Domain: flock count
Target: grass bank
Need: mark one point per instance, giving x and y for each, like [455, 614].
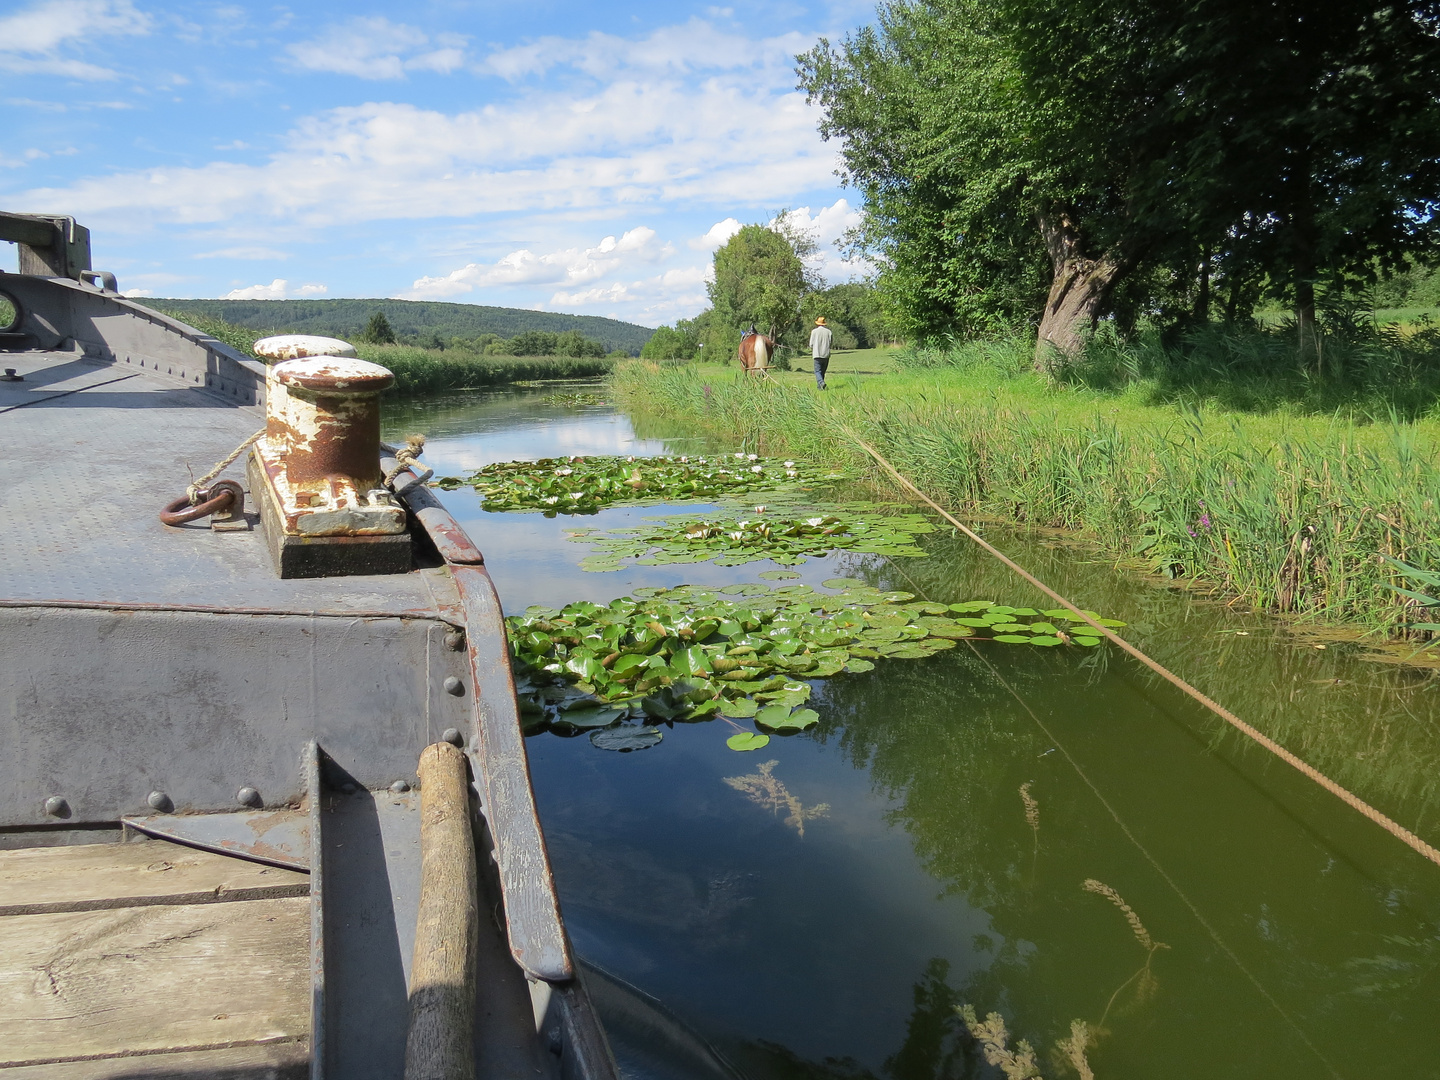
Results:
[1286, 506]
[423, 371]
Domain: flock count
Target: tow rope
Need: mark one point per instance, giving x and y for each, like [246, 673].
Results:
[1349, 798]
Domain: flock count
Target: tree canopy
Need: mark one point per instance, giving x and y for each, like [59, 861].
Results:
[1059, 161]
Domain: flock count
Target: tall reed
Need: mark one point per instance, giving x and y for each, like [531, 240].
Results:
[1293, 514]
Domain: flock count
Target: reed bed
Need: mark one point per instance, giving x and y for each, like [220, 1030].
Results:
[422, 371]
[1292, 512]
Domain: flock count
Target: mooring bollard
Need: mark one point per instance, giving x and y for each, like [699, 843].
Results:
[316, 474]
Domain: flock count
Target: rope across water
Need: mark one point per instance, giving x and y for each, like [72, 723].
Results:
[1349, 798]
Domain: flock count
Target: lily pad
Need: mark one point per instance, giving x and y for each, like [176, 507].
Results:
[626, 738]
[688, 654]
[591, 718]
[748, 740]
[783, 718]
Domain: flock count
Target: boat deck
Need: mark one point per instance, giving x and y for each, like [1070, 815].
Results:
[151, 959]
[96, 450]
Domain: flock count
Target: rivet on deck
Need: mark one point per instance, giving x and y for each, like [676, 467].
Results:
[400, 787]
[455, 640]
[56, 806]
[248, 796]
[454, 686]
[453, 737]
[158, 800]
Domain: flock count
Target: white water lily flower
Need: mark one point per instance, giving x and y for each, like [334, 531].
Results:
[739, 455]
[757, 468]
[684, 461]
[791, 473]
[751, 457]
[563, 472]
[741, 524]
[789, 464]
[630, 459]
[737, 536]
[815, 521]
[761, 509]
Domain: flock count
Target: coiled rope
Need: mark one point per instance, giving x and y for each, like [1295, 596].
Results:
[1349, 798]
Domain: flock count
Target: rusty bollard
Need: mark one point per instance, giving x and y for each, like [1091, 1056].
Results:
[316, 473]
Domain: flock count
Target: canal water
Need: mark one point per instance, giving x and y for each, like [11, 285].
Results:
[1050, 835]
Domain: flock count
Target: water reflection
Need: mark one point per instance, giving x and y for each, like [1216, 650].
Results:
[1301, 941]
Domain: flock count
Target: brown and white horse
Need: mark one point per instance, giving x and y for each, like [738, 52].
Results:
[755, 353]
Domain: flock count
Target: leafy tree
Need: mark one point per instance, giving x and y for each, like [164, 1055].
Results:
[670, 343]
[760, 278]
[1065, 159]
[377, 331]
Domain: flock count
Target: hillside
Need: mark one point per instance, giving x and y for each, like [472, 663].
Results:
[420, 318]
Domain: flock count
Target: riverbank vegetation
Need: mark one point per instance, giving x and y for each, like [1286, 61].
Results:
[1284, 487]
[420, 370]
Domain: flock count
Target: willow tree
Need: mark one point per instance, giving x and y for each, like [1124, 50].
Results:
[1026, 156]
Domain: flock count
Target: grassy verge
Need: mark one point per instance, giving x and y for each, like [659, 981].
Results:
[1286, 508]
[420, 371]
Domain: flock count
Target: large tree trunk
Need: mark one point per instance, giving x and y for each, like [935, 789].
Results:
[1079, 289]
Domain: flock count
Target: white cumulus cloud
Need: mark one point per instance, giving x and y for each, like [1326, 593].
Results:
[569, 266]
[719, 233]
[666, 135]
[33, 40]
[274, 291]
[373, 47]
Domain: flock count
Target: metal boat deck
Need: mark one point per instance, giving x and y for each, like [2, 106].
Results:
[210, 835]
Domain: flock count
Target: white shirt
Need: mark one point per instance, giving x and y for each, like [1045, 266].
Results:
[820, 342]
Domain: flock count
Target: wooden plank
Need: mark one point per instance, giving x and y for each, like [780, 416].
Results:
[36, 881]
[145, 979]
[273, 1061]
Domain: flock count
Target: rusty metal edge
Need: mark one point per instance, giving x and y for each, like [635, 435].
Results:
[317, 913]
[144, 825]
[447, 534]
[532, 907]
[217, 609]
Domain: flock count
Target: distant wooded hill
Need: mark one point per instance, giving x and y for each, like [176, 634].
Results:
[419, 319]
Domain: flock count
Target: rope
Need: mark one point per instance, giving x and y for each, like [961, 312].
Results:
[1349, 798]
[405, 457]
[193, 491]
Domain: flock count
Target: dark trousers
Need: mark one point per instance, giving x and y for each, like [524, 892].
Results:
[822, 365]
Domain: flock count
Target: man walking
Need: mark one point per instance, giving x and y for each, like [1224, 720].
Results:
[820, 350]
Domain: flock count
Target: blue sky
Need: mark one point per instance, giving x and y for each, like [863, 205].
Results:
[565, 156]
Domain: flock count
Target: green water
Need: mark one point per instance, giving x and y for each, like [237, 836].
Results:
[1292, 937]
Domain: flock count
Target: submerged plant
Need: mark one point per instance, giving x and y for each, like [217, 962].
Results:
[742, 651]
[994, 1040]
[1074, 1049]
[729, 541]
[763, 789]
[1146, 983]
[585, 485]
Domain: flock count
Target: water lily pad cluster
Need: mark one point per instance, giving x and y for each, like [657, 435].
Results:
[573, 400]
[730, 541]
[743, 651]
[585, 485]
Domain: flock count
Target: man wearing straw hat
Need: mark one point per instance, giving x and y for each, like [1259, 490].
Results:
[820, 350]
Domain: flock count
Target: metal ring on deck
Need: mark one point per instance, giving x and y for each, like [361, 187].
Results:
[216, 498]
